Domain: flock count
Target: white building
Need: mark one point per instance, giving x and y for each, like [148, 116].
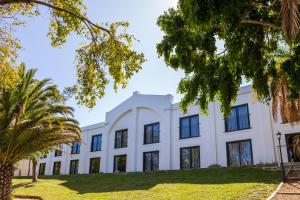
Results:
[149, 132]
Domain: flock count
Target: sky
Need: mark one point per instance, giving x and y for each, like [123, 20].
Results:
[58, 64]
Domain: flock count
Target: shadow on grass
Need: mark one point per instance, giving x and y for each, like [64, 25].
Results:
[143, 181]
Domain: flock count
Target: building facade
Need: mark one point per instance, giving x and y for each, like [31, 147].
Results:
[149, 133]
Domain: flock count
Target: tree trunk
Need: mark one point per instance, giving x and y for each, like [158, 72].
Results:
[34, 176]
[6, 175]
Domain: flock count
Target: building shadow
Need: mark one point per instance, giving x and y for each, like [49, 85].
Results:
[99, 183]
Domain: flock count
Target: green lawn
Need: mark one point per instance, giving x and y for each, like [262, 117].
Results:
[222, 183]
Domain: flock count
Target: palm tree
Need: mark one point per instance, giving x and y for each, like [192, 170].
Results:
[290, 18]
[32, 119]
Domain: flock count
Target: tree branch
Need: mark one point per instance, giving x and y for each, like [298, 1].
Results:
[251, 21]
[82, 18]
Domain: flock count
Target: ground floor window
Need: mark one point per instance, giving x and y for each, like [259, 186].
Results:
[56, 168]
[151, 161]
[190, 157]
[120, 163]
[239, 153]
[42, 169]
[293, 147]
[74, 166]
[94, 165]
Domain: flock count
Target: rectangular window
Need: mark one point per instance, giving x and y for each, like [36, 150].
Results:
[121, 138]
[96, 143]
[239, 153]
[190, 157]
[151, 133]
[151, 161]
[56, 168]
[75, 149]
[189, 126]
[94, 165]
[58, 152]
[238, 119]
[120, 163]
[74, 167]
[42, 169]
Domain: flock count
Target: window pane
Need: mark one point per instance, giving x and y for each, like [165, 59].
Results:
[184, 128]
[96, 143]
[246, 154]
[147, 162]
[194, 126]
[120, 163]
[195, 153]
[243, 117]
[124, 138]
[231, 122]
[234, 156]
[42, 169]
[94, 165]
[148, 134]
[118, 140]
[155, 161]
[185, 158]
[155, 132]
[74, 166]
[56, 168]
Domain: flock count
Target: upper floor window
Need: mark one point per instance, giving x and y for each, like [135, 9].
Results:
[43, 156]
[96, 143]
[75, 149]
[238, 119]
[58, 152]
[189, 126]
[121, 138]
[151, 133]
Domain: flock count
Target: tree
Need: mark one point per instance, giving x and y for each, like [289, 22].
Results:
[261, 43]
[34, 158]
[108, 50]
[32, 119]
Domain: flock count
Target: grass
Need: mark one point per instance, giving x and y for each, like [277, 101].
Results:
[219, 183]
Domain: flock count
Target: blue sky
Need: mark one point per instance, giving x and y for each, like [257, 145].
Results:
[58, 64]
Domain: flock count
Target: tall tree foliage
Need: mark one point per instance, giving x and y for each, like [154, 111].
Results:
[32, 119]
[107, 54]
[261, 43]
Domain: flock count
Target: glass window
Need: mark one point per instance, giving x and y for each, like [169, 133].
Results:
[151, 161]
[121, 138]
[238, 119]
[58, 152]
[239, 153]
[75, 149]
[190, 157]
[56, 168]
[74, 166]
[96, 143]
[151, 133]
[120, 163]
[42, 169]
[189, 127]
[94, 165]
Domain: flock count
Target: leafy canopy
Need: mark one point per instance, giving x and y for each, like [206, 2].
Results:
[33, 119]
[107, 53]
[255, 47]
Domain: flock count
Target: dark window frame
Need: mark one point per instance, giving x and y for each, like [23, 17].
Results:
[77, 166]
[92, 143]
[54, 164]
[122, 136]
[144, 160]
[90, 169]
[190, 130]
[190, 158]
[75, 148]
[152, 137]
[121, 155]
[44, 169]
[237, 119]
[238, 141]
[58, 152]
